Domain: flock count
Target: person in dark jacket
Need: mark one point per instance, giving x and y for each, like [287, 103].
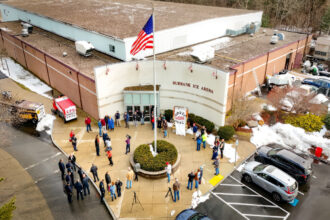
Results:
[128, 144]
[72, 158]
[105, 136]
[69, 166]
[118, 187]
[107, 178]
[117, 119]
[135, 118]
[74, 142]
[216, 166]
[79, 189]
[97, 145]
[199, 142]
[191, 177]
[101, 186]
[61, 166]
[106, 119]
[68, 191]
[80, 173]
[94, 172]
[85, 184]
[72, 178]
[195, 129]
[68, 178]
[126, 118]
[222, 147]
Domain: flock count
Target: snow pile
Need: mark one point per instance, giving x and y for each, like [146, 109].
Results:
[153, 152]
[46, 124]
[189, 131]
[289, 136]
[210, 140]
[257, 117]
[198, 198]
[217, 44]
[268, 107]
[319, 99]
[229, 152]
[24, 77]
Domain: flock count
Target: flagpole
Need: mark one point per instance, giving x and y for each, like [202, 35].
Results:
[154, 72]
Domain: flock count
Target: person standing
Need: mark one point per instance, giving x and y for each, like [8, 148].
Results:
[117, 119]
[69, 166]
[222, 147]
[126, 118]
[80, 173]
[204, 138]
[129, 177]
[103, 123]
[136, 169]
[97, 145]
[99, 124]
[109, 154]
[201, 174]
[195, 129]
[88, 124]
[72, 158]
[108, 144]
[68, 178]
[85, 184]
[197, 175]
[102, 190]
[107, 178]
[191, 177]
[105, 136]
[168, 169]
[216, 166]
[74, 142]
[111, 124]
[113, 191]
[153, 121]
[142, 118]
[61, 166]
[68, 191]
[215, 153]
[176, 189]
[159, 124]
[118, 187]
[128, 144]
[199, 142]
[134, 119]
[203, 130]
[79, 189]
[94, 172]
[165, 126]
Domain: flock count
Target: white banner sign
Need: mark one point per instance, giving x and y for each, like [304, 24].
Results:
[180, 119]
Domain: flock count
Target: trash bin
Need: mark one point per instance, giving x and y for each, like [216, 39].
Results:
[318, 151]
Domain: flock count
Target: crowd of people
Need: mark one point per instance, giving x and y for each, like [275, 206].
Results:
[107, 124]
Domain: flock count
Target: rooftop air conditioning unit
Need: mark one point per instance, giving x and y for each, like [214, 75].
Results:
[274, 39]
[28, 27]
[84, 48]
[25, 32]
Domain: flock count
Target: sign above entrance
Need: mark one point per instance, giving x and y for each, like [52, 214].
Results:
[195, 86]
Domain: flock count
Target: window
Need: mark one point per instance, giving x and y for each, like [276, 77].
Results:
[321, 53]
[112, 48]
[259, 168]
[274, 181]
[262, 175]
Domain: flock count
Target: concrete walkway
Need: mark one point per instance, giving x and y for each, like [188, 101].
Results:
[151, 193]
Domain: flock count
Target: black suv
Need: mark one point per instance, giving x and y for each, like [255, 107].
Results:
[291, 163]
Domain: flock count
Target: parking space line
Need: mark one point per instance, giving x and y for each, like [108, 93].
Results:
[301, 193]
[44, 160]
[288, 213]
[237, 194]
[230, 205]
[225, 184]
[266, 216]
[249, 204]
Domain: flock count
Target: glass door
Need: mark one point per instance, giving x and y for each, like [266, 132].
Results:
[130, 112]
[146, 111]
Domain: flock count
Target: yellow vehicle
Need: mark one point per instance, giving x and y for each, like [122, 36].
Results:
[23, 111]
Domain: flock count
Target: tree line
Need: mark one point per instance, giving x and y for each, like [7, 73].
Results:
[302, 15]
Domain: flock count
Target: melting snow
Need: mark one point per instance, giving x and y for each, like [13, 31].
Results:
[46, 124]
[198, 198]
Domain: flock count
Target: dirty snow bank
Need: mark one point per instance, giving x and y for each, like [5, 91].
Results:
[46, 124]
[290, 136]
[24, 77]
[198, 198]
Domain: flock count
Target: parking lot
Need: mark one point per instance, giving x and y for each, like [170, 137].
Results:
[234, 199]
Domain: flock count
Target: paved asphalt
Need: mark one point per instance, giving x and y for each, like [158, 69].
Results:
[236, 200]
[40, 158]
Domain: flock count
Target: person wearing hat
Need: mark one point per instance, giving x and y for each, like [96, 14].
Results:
[168, 169]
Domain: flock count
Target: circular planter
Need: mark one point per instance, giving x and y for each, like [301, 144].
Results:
[155, 174]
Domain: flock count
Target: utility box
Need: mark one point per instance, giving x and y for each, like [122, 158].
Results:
[84, 48]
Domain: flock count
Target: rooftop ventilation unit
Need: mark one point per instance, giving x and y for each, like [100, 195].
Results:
[28, 27]
[84, 48]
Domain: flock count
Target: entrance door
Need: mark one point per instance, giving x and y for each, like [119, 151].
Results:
[137, 109]
[287, 61]
[146, 111]
[130, 112]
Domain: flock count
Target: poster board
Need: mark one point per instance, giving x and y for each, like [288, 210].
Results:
[180, 120]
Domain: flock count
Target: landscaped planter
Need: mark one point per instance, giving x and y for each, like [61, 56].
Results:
[154, 167]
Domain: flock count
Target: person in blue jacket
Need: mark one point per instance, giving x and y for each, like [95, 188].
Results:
[199, 142]
[111, 124]
[99, 124]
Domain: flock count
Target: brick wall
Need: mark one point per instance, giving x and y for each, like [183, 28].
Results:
[78, 87]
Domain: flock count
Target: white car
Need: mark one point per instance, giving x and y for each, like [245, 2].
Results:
[282, 186]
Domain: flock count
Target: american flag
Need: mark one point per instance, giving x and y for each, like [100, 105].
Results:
[145, 39]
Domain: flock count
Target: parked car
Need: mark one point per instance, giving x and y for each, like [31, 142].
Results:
[309, 81]
[282, 186]
[65, 108]
[291, 163]
[324, 73]
[322, 83]
[190, 214]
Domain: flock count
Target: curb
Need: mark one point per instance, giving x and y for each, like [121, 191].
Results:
[111, 213]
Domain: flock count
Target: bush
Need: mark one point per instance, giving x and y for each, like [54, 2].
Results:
[308, 122]
[6, 211]
[166, 153]
[168, 114]
[327, 121]
[226, 132]
[201, 121]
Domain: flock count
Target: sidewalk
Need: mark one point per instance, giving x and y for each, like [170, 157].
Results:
[151, 193]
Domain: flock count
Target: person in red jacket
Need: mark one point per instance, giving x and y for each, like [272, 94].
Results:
[88, 124]
[103, 124]
[109, 154]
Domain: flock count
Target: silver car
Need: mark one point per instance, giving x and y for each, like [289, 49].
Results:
[282, 186]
